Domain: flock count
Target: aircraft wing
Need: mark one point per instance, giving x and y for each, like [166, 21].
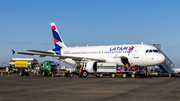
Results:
[60, 56]
[41, 51]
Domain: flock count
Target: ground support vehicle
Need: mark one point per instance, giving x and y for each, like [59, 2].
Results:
[100, 69]
[132, 74]
[12, 70]
[105, 68]
[158, 72]
[70, 72]
[125, 74]
[111, 68]
[23, 65]
[177, 70]
[48, 68]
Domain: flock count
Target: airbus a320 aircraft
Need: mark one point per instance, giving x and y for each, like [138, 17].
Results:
[133, 54]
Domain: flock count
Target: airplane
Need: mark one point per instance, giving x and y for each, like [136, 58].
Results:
[132, 54]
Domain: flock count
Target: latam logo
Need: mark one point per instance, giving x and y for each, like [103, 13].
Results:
[121, 48]
[131, 48]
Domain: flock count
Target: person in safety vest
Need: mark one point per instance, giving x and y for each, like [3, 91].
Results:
[80, 72]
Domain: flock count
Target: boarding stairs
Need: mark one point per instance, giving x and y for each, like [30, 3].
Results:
[168, 65]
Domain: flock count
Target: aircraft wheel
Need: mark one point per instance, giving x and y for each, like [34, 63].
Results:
[85, 73]
[21, 72]
[133, 75]
[13, 71]
[41, 72]
[49, 74]
[124, 75]
[66, 74]
[159, 75]
[44, 73]
[27, 74]
[71, 75]
[100, 75]
[113, 75]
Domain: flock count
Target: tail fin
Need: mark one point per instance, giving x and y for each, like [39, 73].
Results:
[59, 44]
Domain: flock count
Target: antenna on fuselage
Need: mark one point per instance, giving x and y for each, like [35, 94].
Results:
[142, 43]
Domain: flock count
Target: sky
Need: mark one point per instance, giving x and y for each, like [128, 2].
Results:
[25, 24]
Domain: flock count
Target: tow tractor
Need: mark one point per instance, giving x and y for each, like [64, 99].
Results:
[70, 72]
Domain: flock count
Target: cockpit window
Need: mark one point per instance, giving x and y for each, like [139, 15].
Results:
[152, 50]
[156, 51]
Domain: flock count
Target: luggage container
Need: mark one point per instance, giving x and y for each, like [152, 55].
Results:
[108, 68]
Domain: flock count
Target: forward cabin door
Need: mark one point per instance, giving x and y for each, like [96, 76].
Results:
[136, 52]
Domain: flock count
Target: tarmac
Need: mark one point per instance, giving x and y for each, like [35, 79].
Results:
[58, 88]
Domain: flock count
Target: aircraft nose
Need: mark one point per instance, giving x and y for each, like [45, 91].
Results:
[161, 58]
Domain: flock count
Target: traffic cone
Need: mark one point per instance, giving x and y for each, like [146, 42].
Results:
[8, 74]
[52, 74]
[1, 73]
[169, 76]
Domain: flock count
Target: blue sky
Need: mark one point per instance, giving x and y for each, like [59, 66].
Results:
[25, 24]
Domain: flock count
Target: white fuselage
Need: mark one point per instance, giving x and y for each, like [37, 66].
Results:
[117, 53]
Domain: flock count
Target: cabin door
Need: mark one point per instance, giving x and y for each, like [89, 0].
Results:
[136, 52]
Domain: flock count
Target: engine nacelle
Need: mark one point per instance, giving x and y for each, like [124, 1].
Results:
[90, 66]
[69, 61]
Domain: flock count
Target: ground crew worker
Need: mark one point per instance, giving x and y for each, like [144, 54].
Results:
[35, 72]
[80, 72]
[127, 67]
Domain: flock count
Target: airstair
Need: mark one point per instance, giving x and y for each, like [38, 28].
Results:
[168, 65]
